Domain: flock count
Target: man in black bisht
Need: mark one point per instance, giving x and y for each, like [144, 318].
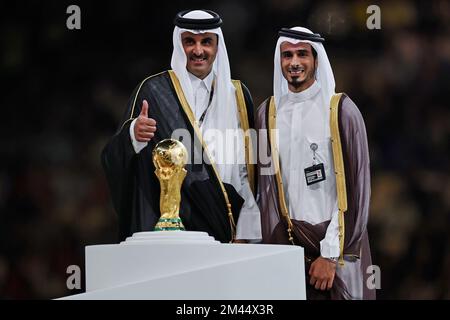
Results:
[198, 104]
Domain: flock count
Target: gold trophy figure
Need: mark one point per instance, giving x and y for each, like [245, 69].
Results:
[169, 158]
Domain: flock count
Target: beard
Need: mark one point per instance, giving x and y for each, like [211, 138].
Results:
[296, 82]
[299, 77]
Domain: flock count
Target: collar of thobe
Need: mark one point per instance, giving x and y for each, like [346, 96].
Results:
[196, 82]
[304, 95]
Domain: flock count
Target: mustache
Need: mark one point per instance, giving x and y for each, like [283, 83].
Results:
[198, 56]
[296, 68]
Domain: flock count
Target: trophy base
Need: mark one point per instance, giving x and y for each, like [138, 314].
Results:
[169, 237]
[169, 225]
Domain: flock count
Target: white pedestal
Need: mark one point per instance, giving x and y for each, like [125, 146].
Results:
[178, 265]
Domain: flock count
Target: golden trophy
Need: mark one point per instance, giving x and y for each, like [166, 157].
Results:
[169, 158]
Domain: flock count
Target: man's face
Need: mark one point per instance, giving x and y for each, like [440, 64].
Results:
[298, 65]
[201, 50]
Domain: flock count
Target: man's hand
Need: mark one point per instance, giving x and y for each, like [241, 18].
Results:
[322, 273]
[144, 127]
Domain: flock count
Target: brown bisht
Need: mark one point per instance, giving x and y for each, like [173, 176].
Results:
[207, 203]
[352, 167]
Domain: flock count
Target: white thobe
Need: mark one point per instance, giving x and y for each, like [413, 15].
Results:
[302, 119]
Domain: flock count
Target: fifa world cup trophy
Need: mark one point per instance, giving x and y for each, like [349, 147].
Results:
[169, 158]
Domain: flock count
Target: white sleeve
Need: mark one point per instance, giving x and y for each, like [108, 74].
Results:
[249, 223]
[329, 246]
[137, 145]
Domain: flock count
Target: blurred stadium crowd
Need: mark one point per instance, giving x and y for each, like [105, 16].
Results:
[64, 92]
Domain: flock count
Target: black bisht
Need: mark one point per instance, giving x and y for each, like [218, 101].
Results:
[135, 188]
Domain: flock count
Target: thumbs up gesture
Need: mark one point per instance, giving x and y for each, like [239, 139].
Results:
[145, 127]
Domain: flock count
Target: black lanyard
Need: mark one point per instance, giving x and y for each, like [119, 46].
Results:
[202, 117]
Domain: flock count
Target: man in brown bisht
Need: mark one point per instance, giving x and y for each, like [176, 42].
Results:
[314, 184]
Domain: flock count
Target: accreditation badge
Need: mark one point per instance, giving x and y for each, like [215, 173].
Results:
[316, 172]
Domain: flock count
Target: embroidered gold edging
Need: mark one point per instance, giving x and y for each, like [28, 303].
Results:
[339, 170]
[135, 97]
[276, 161]
[243, 116]
[187, 109]
[131, 119]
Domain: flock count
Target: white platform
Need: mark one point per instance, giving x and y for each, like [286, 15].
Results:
[191, 265]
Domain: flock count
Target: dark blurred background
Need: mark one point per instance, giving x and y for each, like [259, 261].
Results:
[63, 93]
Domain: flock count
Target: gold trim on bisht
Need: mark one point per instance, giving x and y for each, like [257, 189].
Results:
[135, 98]
[276, 160]
[243, 116]
[339, 170]
[187, 109]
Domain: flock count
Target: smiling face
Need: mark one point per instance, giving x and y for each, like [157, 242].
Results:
[201, 51]
[298, 65]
